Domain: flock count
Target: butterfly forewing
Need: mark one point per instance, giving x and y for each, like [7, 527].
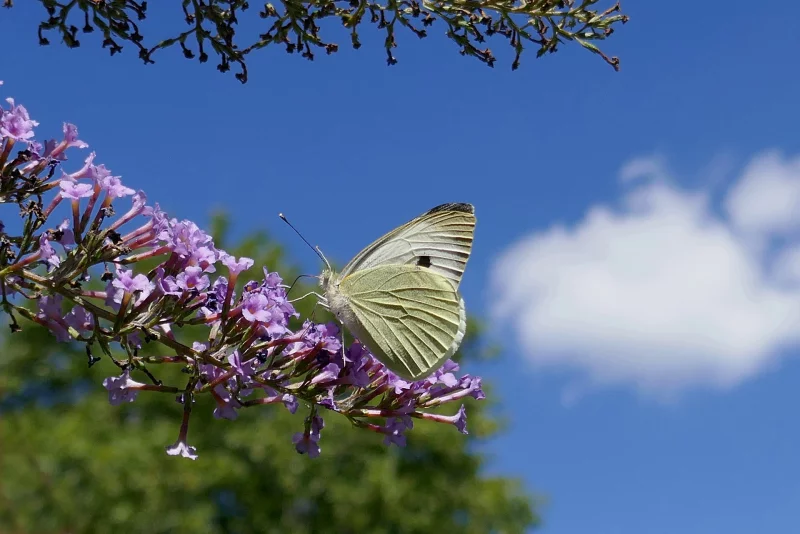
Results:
[439, 240]
[410, 318]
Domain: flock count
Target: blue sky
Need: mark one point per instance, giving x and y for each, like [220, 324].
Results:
[637, 233]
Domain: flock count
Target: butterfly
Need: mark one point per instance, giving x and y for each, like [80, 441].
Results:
[399, 296]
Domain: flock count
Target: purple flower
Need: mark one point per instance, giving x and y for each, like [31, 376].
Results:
[184, 237]
[139, 201]
[272, 280]
[85, 171]
[15, 123]
[395, 429]
[317, 424]
[182, 448]
[80, 319]
[192, 278]
[121, 388]
[258, 307]
[124, 282]
[134, 340]
[205, 257]
[47, 252]
[50, 314]
[67, 237]
[445, 375]
[226, 409]
[306, 444]
[114, 188]
[158, 218]
[398, 384]
[236, 266]
[473, 385]
[326, 335]
[50, 307]
[357, 372]
[461, 420]
[72, 190]
[216, 297]
[328, 401]
[45, 151]
[169, 286]
[255, 308]
[290, 402]
[243, 369]
[71, 136]
[226, 403]
[329, 373]
[97, 173]
[199, 347]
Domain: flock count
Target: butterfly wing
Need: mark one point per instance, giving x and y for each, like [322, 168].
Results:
[410, 318]
[440, 240]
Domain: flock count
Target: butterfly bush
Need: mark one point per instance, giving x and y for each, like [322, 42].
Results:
[80, 224]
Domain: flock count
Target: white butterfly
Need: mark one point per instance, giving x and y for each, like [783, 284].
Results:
[399, 296]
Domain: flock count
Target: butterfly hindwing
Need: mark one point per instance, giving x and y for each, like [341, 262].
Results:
[411, 319]
[439, 240]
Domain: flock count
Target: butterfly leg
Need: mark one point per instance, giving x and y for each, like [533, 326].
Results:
[344, 356]
[320, 299]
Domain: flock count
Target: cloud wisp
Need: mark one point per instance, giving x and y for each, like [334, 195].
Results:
[663, 292]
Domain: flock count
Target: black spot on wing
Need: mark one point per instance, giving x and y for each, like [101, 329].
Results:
[453, 206]
[424, 261]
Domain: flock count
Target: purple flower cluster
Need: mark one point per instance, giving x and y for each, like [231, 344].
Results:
[85, 276]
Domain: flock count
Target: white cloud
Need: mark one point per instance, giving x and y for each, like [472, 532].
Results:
[642, 167]
[786, 266]
[661, 293]
[766, 200]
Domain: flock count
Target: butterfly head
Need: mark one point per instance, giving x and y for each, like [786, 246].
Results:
[326, 277]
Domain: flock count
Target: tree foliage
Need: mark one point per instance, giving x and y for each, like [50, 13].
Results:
[70, 462]
[214, 27]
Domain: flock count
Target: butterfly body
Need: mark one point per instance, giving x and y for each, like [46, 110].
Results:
[399, 296]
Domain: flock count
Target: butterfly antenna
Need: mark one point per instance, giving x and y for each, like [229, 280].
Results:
[316, 250]
[321, 255]
[289, 290]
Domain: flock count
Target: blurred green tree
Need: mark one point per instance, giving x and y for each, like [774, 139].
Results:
[70, 462]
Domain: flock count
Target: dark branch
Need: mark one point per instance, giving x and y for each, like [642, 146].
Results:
[211, 26]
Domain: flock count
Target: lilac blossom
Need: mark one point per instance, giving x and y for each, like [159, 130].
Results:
[125, 283]
[80, 319]
[50, 314]
[243, 369]
[236, 266]
[181, 448]
[47, 252]
[253, 350]
[308, 442]
[15, 123]
[64, 234]
[122, 388]
[73, 190]
[329, 373]
[395, 430]
[256, 308]
[113, 187]
[290, 402]
[71, 137]
[191, 279]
